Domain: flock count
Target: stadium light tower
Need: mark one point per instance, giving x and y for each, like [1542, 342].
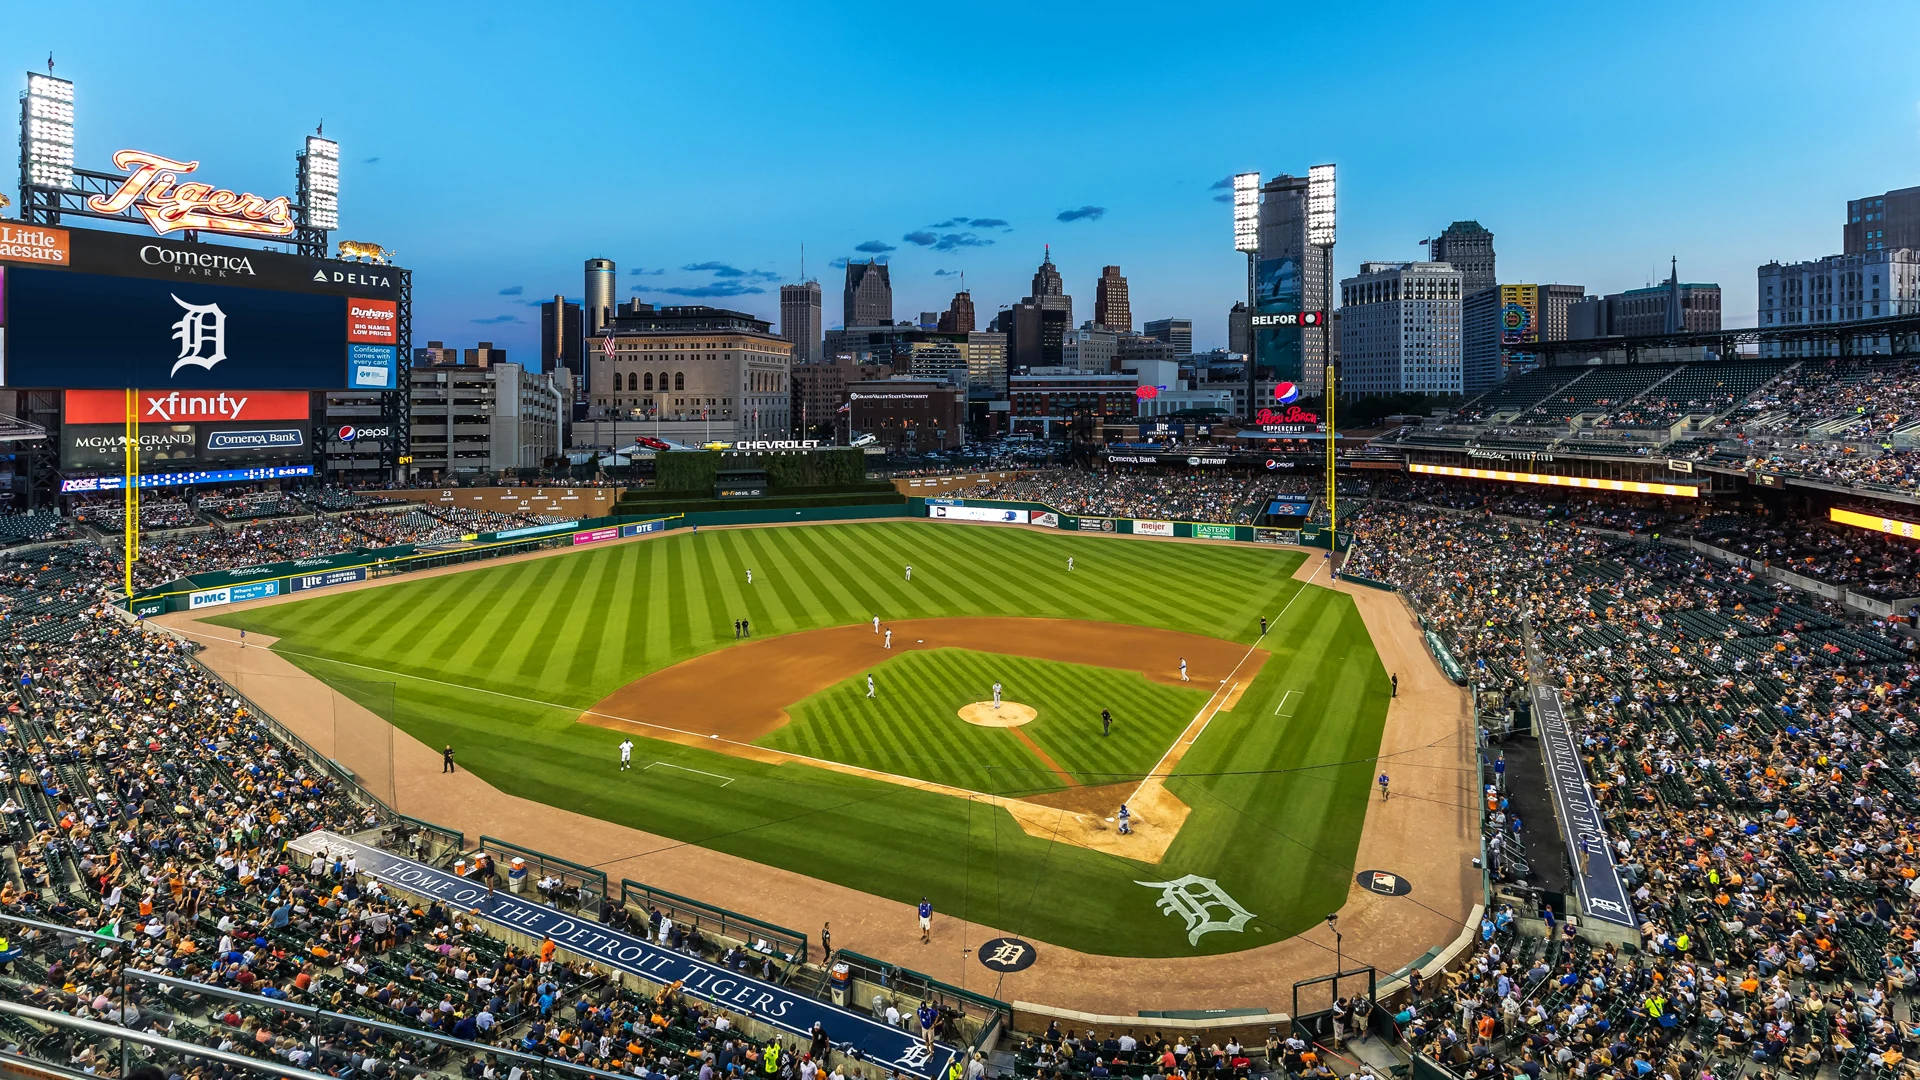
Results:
[1246, 239]
[317, 183]
[46, 135]
[1320, 234]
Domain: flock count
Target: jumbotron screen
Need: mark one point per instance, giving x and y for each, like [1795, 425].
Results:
[86, 309]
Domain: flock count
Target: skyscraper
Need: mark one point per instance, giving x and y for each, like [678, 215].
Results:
[1400, 329]
[1175, 332]
[1882, 222]
[1046, 279]
[560, 333]
[868, 300]
[800, 320]
[600, 294]
[1050, 296]
[1111, 306]
[1468, 247]
[1290, 275]
[1239, 329]
[959, 317]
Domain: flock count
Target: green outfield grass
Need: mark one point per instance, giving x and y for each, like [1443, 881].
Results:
[912, 727]
[500, 660]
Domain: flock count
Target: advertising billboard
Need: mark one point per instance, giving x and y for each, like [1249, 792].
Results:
[115, 254]
[1519, 314]
[104, 446]
[173, 335]
[326, 579]
[1153, 528]
[977, 513]
[1277, 353]
[177, 407]
[73, 485]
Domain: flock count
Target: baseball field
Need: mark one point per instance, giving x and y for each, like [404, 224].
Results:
[1247, 781]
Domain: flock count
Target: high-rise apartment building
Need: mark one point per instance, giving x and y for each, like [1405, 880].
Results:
[1882, 222]
[1837, 289]
[1175, 332]
[1555, 300]
[868, 300]
[561, 330]
[1112, 308]
[1400, 329]
[959, 317]
[601, 288]
[1468, 247]
[800, 320]
[1239, 329]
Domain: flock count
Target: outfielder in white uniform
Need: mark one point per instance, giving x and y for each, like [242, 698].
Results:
[869, 686]
[1069, 564]
[749, 575]
[996, 695]
[626, 754]
[909, 571]
[889, 642]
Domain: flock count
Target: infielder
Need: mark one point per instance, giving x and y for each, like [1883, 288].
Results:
[1183, 670]
[996, 695]
[876, 624]
[1126, 820]
[626, 754]
[889, 641]
[869, 686]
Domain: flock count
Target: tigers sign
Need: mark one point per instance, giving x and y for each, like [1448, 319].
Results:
[153, 188]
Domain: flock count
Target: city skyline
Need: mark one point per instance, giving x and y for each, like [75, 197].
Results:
[494, 193]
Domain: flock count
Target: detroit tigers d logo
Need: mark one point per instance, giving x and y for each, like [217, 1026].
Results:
[1202, 903]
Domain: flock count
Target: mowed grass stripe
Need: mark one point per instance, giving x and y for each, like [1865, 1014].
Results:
[827, 575]
[547, 622]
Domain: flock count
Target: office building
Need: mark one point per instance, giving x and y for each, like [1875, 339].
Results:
[866, 344]
[1671, 307]
[485, 354]
[1290, 275]
[800, 320]
[561, 333]
[986, 355]
[1882, 222]
[1239, 329]
[601, 291]
[436, 354]
[1555, 302]
[1112, 308]
[1046, 405]
[696, 372]
[1468, 247]
[1838, 289]
[469, 419]
[909, 415]
[868, 299]
[1091, 348]
[1137, 351]
[1400, 329]
[1175, 332]
[959, 317]
[818, 391]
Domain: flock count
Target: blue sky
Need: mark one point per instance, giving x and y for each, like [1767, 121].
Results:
[495, 147]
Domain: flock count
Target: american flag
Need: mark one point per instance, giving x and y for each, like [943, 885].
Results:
[606, 347]
[845, 406]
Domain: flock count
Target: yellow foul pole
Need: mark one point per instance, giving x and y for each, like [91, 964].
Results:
[130, 492]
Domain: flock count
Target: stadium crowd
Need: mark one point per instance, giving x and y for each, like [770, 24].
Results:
[1198, 496]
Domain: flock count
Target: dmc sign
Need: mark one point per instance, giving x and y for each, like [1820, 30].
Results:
[152, 187]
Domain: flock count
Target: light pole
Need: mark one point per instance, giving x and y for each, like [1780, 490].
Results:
[1333, 924]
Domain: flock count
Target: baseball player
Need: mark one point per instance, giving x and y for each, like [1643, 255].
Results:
[1069, 564]
[926, 920]
[996, 695]
[909, 571]
[1126, 820]
[1106, 722]
[889, 642]
[626, 754]
[876, 624]
[1183, 670]
[869, 686]
[749, 575]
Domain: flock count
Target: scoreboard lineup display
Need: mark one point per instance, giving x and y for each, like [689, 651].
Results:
[190, 316]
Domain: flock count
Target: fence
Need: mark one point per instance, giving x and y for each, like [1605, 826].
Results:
[579, 886]
[714, 921]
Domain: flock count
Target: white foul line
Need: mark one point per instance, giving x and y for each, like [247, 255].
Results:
[725, 780]
[1209, 710]
[1283, 703]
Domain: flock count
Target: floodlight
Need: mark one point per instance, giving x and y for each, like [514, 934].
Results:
[320, 182]
[47, 131]
[1246, 211]
[1320, 206]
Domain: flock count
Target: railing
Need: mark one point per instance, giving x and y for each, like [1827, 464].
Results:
[586, 888]
[976, 1014]
[714, 921]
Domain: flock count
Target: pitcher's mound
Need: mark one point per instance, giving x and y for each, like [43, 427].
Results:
[1009, 714]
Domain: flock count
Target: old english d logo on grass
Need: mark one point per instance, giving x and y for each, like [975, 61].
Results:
[1196, 899]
